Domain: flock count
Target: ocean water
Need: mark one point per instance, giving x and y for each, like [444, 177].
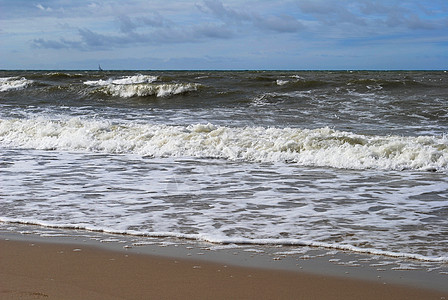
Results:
[353, 161]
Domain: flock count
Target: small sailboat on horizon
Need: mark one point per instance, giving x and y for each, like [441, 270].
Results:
[99, 68]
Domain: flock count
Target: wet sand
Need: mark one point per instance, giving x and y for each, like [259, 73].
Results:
[40, 270]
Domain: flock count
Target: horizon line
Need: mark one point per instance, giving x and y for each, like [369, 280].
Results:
[232, 70]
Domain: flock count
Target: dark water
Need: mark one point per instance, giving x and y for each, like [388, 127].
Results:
[408, 103]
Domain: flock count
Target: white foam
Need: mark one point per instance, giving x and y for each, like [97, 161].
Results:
[322, 147]
[122, 81]
[140, 86]
[143, 90]
[282, 82]
[235, 241]
[13, 83]
[388, 213]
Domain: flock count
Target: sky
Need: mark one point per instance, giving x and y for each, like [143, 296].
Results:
[223, 35]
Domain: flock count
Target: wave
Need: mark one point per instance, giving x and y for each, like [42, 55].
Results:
[123, 81]
[144, 90]
[234, 240]
[323, 147]
[281, 82]
[140, 86]
[298, 82]
[13, 83]
[309, 84]
[387, 84]
[62, 75]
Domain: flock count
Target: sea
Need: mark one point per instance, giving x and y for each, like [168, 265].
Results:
[352, 161]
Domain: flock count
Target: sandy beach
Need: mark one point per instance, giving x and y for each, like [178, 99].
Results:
[41, 270]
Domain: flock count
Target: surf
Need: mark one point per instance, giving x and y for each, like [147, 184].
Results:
[322, 147]
[14, 83]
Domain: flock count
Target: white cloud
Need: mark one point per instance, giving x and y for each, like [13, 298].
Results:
[41, 7]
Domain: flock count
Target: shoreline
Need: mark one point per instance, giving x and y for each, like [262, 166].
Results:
[56, 271]
[35, 267]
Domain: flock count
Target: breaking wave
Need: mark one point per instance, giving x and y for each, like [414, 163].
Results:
[323, 147]
[13, 83]
[123, 81]
[281, 82]
[141, 86]
[144, 90]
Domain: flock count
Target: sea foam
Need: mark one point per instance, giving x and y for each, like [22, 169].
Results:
[13, 83]
[143, 90]
[236, 241]
[140, 86]
[123, 80]
[323, 147]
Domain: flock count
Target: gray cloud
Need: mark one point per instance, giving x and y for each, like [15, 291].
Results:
[126, 24]
[212, 31]
[42, 43]
[151, 21]
[152, 28]
[415, 22]
[96, 40]
[217, 21]
[155, 20]
[57, 44]
[91, 40]
[373, 14]
[225, 14]
[330, 13]
[282, 23]
[278, 23]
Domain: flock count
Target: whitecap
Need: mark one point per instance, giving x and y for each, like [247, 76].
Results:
[140, 86]
[13, 83]
[144, 90]
[136, 79]
[322, 147]
[282, 82]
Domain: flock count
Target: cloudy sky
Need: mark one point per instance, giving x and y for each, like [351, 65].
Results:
[224, 34]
